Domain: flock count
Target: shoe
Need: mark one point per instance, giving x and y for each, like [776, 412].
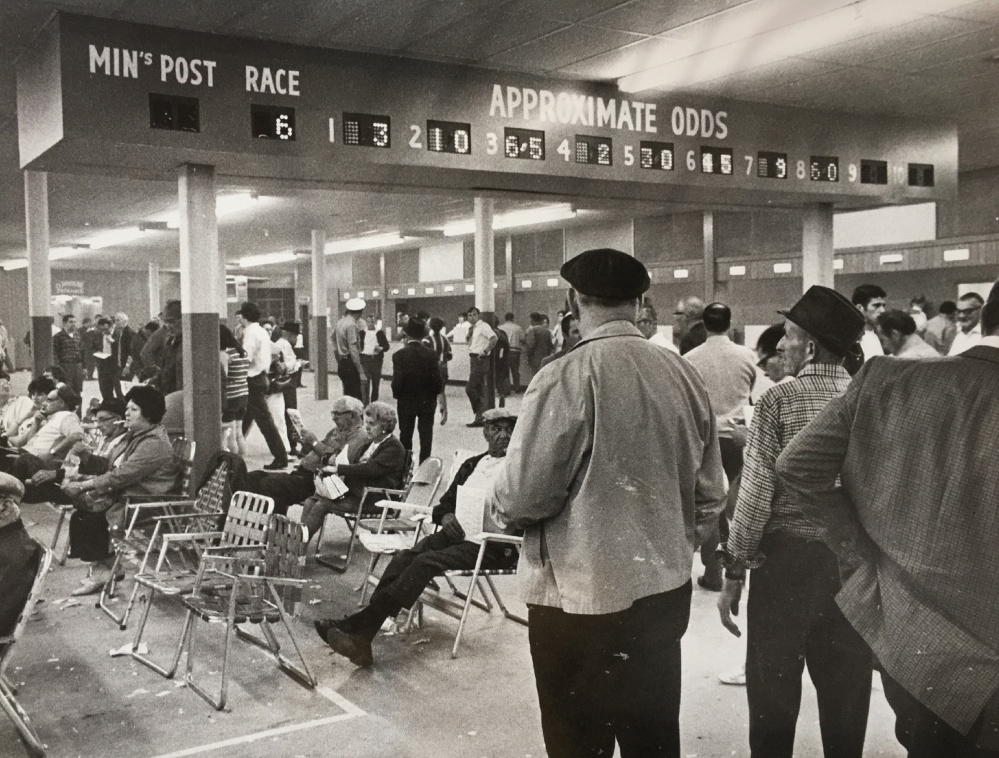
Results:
[734, 678]
[476, 423]
[323, 627]
[354, 647]
[276, 465]
[708, 584]
[90, 587]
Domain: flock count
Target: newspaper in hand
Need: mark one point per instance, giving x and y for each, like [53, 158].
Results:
[330, 485]
[470, 510]
[296, 420]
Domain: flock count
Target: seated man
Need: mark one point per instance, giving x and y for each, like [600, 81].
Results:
[50, 436]
[19, 555]
[288, 489]
[410, 571]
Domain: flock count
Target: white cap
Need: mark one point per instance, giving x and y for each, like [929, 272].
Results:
[355, 304]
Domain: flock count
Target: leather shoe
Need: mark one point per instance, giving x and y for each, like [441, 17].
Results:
[276, 465]
[708, 584]
[476, 423]
[89, 587]
[323, 627]
[355, 647]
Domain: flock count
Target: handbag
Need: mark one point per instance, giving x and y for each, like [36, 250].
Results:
[90, 502]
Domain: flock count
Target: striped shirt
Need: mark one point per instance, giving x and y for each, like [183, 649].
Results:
[235, 379]
[764, 505]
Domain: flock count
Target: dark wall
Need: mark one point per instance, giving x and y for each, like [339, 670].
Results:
[366, 269]
[976, 210]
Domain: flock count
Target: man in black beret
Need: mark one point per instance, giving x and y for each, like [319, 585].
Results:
[612, 467]
[792, 617]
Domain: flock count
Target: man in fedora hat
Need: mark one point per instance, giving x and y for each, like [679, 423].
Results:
[904, 493]
[347, 348]
[613, 468]
[792, 613]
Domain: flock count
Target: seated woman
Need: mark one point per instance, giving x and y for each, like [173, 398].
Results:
[14, 409]
[381, 463]
[142, 463]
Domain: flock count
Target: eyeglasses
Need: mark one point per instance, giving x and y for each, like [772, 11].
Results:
[645, 321]
[968, 311]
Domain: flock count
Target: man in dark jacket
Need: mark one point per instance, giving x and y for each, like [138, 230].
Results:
[410, 571]
[19, 555]
[416, 383]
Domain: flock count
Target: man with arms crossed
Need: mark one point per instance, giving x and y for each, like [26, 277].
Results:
[613, 463]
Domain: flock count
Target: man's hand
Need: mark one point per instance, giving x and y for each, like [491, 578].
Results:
[740, 434]
[43, 476]
[72, 488]
[309, 438]
[728, 604]
[451, 527]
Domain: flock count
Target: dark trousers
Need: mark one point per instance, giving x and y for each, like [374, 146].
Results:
[89, 537]
[350, 377]
[426, 425]
[732, 461]
[477, 388]
[513, 361]
[611, 676]
[108, 380]
[372, 365]
[793, 621]
[257, 410]
[74, 376]
[290, 393]
[285, 489]
[410, 571]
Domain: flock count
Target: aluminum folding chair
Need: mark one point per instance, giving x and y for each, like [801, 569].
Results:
[8, 693]
[255, 598]
[245, 530]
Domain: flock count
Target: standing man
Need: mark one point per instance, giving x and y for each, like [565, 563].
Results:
[869, 299]
[904, 493]
[792, 613]
[609, 493]
[897, 331]
[729, 372]
[689, 316]
[90, 340]
[537, 342]
[515, 336]
[969, 330]
[482, 339]
[122, 347]
[374, 345]
[346, 346]
[257, 346]
[67, 350]
[648, 325]
[940, 330]
[107, 369]
[416, 383]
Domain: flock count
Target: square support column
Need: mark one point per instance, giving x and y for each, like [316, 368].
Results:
[320, 331]
[817, 245]
[154, 289]
[200, 293]
[485, 293]
[36, 211]
[709, 257]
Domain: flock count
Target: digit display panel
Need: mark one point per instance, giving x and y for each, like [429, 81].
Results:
[716, 160]
[771, 165]
[593, 150]
[366, 130]
[824, 168]
[920, 174]
[656, 156]
[524, 144]
[449, 137]
[172, 113]
[272, 122]
[873, 172]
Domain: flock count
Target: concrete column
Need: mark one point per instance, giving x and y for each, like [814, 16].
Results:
[485, 295]
[817, 245]
[509, 272]
[199, 295]
[709, 257]
[154, 289]
[383, 296]
[320, 341]
[36, 210]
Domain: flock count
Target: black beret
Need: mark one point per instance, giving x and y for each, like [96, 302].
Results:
[606, 273]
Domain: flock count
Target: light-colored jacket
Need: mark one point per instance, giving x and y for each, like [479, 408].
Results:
[613, 462]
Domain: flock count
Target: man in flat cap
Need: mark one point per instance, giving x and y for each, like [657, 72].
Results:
[347, 348]
[613, 464]
[19, 555]
[905, 492]
[410, 571]
[792, 613]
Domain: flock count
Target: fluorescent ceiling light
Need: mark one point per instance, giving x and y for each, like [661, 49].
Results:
[225, 205]
[755, 34]
[267, 259]
[364, 243]
[544, 215]
[14, 264]
[58, 253]
[114, 237]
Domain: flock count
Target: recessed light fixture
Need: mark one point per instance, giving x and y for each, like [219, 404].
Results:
[783, 268]
[449, 288]
[892, 258]
[395, 291]
[526, 284]
[429, 291]
[547, 214]
[961, 254]
[469, 288]
[553, 282]
[267, 259]
[680, 273]
[411, 291]
[736, 270]
[837, 264]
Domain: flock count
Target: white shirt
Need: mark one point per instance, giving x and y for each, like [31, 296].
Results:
[459, 335]
[871, 345]
[55, 430]
[966, 340]
[482, 477]
[370, 342]
[287, 355]
[659, 339]
[481, 334]
[257, 344]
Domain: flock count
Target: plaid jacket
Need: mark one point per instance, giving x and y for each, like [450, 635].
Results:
[916, 520]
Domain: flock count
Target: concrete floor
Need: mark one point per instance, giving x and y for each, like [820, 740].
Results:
[415, 702]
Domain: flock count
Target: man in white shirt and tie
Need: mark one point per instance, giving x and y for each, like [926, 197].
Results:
[257, 344]
[969, 327]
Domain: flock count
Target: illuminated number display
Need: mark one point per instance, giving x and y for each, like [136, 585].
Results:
[920, 174]
[716, 160]
[873, 172]
[771, 165]
[824, 168]
[176, 114]
[656, 155]
[449, 137]
[528, 144]
[272, 122]
[366, 130]
[593, 150]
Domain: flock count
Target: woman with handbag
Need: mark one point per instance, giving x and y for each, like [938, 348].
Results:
[141, 464]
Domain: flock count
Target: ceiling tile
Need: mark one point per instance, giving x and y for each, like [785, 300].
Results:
[205, 15]
[21, 20]
[621, 61]
[657, 16]
[563, 48]
[301, 21]
[778, 74]
[984, 11]
[973, 46]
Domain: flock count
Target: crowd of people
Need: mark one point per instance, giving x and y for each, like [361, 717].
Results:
[854, 492]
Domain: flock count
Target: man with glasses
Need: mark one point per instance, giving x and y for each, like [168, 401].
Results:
[969, 332]
[648, 324]
[299, 484]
